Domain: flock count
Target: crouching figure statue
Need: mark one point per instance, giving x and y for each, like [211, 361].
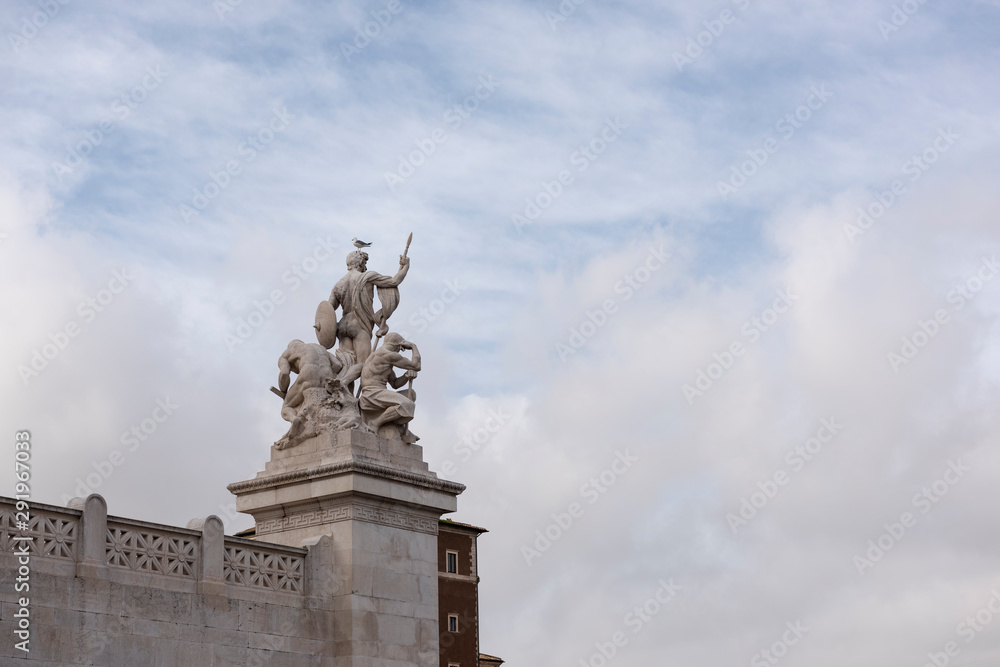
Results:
[320, 399]
[389, 412]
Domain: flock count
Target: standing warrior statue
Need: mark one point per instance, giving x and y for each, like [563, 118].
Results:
[355, 294]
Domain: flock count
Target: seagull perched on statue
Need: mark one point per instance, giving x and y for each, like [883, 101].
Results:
[359, 244]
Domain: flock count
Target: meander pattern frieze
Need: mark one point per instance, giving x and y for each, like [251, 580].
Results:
[53, 536]
[358, 511]
[151, 551]
[258, 568]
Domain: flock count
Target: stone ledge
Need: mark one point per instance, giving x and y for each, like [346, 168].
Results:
[341, 446]
[265, 546]
[355, 466]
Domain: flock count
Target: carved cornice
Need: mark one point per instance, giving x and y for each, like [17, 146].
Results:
[353, 466]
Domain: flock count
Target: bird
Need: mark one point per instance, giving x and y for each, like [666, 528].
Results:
[359, 244]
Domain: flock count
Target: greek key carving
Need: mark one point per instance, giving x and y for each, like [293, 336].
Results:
[358, 511]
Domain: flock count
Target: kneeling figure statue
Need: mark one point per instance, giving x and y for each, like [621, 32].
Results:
[389, 412]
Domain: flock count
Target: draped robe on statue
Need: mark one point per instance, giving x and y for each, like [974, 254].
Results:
[355, 292]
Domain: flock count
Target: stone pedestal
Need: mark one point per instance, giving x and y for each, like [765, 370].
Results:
[379, 505]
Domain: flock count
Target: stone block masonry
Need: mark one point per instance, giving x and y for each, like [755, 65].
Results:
[369, 507]
[113, 591]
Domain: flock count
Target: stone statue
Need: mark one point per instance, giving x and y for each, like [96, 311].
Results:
[354, 293]
[321, 397]
[389, 412]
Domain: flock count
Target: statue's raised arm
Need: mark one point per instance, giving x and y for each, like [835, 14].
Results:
[354, 294]
[392, 281]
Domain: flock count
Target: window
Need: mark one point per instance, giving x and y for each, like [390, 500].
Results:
[452, 622]
[452, 566]
[454, 664]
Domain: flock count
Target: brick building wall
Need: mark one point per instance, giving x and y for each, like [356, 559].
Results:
[458, 594]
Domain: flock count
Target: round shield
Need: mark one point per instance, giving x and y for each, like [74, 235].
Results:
[326, 324]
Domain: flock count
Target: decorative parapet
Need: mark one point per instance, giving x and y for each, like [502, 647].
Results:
[148, 548]
[265, 566]
[119, 548]
[54, 531]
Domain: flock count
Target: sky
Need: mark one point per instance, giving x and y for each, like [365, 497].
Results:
[706, 293]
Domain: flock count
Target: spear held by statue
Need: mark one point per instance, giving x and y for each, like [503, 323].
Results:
[383, 329]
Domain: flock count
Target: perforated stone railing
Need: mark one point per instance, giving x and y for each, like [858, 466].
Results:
[247, 563]
[202, 554]
[54, 534]
[141, 548]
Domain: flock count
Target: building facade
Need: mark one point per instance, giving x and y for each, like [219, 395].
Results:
[458, 593]
[347, 567]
